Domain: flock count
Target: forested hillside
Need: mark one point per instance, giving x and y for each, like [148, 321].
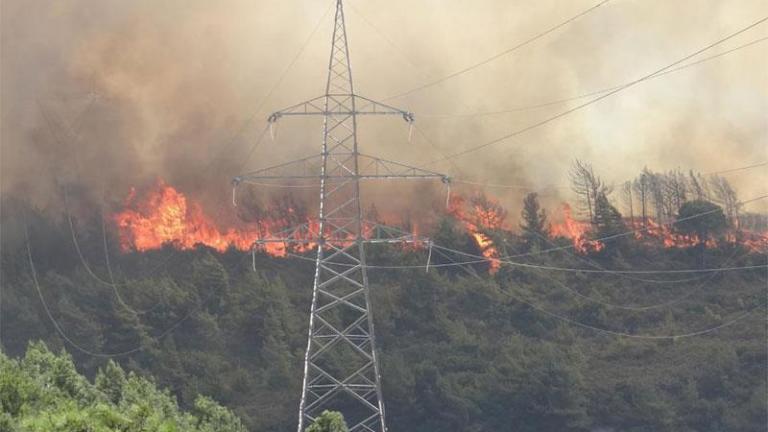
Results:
[463, 349]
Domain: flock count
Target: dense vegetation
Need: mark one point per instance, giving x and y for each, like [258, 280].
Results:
[43, 392]
[462, 349]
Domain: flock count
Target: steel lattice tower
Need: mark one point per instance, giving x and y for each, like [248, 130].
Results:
[341, 367]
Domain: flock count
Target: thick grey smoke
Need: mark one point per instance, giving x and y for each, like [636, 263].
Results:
[112, 94]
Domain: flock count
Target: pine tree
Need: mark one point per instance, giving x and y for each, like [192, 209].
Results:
[608, 222]
[534, 222]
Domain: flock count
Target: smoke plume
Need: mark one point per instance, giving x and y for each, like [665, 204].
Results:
[112, 94]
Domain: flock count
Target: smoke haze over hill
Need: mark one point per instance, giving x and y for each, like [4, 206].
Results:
[167, 89]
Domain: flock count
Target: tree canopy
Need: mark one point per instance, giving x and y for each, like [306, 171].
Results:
[701, 218]
[44, 392]
[329, 421]
[534, 221]
[461, 349]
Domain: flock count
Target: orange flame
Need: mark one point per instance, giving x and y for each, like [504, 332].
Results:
[165, 216]
[576, 231]
[650, 231]
[486, 215]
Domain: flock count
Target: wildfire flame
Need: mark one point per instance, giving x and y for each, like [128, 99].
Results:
[165, 216]
[577, 231]
[650, 231]
[485, 216]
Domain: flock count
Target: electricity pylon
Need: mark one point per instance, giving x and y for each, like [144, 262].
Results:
[341, 365]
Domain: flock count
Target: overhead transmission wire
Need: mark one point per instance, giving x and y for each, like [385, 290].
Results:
[112, 283]
[483, 260]
[478, 259]
[420, 131]
[599, 98]
[272, 89]
[398, 50]
[624, 334]
[688, 293]
[523, 187]
[176, 325]
[634, 231]
[230, 143]
[667, 303]
[63, 334]
[250, 152]
[594, 264]
[639, 308]
[631, 335]
[590, 94]
[501, 54]
[615, 333]
[74, 133]
[757, 165]
[678, 336]
[575, 322]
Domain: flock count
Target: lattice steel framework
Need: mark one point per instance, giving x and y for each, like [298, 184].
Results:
[341, 367]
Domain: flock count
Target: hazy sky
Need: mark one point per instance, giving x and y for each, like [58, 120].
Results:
[177, 80]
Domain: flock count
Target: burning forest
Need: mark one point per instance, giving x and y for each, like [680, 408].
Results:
[162, 215]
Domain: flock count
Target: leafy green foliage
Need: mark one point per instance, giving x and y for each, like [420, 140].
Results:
[328, 421]
[44, 392]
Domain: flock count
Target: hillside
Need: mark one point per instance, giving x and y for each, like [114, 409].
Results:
[462, 349]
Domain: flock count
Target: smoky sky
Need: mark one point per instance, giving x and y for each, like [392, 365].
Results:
[112, 94]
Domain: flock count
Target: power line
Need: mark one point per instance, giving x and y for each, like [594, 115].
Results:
[55, 323]
[524, 187]
[761, 164]
[580, 324]
[667, 303]
[478, 259]
[253, 148]
[586, 95]
[594, 264]
[400, 52]
[63, 334]
[631, 232]
[624, 334]
[87, 267]
[597, 99]
[630, 335]
[499, 55]
[274, 87]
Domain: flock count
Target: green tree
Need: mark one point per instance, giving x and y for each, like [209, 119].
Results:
[608, 222]
[329, 421]
[534, 221]
[700, 218]
[43, 392]
[703, 219]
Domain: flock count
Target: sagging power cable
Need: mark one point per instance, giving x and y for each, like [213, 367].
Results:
[599, 98]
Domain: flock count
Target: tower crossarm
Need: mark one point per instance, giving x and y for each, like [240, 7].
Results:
[307, 234]
[340, 105]
[370, 168]
[305, 168]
